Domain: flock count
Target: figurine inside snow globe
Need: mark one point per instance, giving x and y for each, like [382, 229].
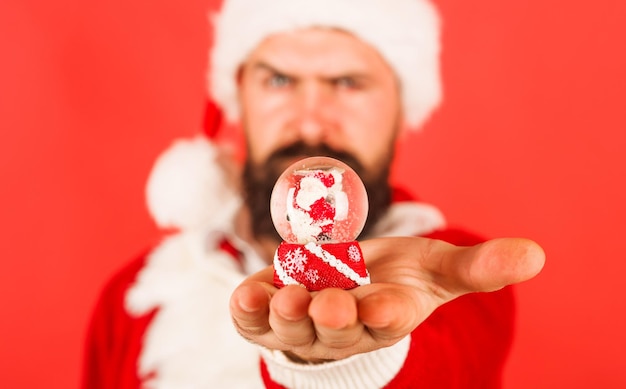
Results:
[319, 207]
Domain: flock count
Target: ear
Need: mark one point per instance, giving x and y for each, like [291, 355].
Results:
[239, 78]
[239, 75]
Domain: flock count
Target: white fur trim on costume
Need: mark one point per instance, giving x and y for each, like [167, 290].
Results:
[188, 189]
[191, 342]
[371, 370]
[405, 33]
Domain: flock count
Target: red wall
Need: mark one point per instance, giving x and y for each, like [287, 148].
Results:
[530, 142]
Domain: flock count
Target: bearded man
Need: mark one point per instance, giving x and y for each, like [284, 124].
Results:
[308, 78]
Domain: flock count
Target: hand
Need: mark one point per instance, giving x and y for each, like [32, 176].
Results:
[411, 277]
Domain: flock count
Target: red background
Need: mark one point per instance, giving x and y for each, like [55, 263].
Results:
[529, 142]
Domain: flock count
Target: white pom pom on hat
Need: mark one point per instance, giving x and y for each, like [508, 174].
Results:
[405, 33]
[188, 187]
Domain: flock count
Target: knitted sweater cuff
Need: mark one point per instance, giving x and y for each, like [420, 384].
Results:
[368, 370]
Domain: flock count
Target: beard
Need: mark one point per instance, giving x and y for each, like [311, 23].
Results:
[259, 180]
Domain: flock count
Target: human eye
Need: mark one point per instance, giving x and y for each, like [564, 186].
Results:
[277, 80]
[346, 82]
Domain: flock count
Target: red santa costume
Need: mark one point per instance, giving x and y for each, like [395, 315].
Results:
[163, 321]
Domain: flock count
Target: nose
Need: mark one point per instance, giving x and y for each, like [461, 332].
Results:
[313, 122]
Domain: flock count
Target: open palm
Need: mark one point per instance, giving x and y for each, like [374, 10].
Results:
[411, 277]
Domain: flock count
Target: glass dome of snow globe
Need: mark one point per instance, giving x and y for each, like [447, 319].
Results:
[320, 200]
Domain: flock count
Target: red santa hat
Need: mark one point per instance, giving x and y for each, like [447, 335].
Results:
[404, 32]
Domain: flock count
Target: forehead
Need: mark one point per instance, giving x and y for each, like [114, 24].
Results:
[319, 50]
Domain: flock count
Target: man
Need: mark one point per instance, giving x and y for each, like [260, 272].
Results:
[303, 78]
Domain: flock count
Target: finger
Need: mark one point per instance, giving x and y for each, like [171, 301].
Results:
[249, 308]
[485, 267]
[391, 312]
[289, 317]
[335, 314]
[514, 260]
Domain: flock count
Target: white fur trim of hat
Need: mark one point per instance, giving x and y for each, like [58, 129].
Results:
[404, 32]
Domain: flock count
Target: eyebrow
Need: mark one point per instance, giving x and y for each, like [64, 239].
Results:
[261, 65]
[265, 66]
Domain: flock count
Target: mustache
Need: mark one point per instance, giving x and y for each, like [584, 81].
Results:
[303, 150]
[259, 180]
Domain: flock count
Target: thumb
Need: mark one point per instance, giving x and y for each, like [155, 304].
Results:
[497, 263]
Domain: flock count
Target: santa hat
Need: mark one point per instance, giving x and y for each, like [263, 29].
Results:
[404, 32]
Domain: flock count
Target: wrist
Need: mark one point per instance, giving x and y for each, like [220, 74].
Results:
[371, 370]
[293, 357]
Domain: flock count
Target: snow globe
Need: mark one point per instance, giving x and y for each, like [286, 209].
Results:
[319, 207]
